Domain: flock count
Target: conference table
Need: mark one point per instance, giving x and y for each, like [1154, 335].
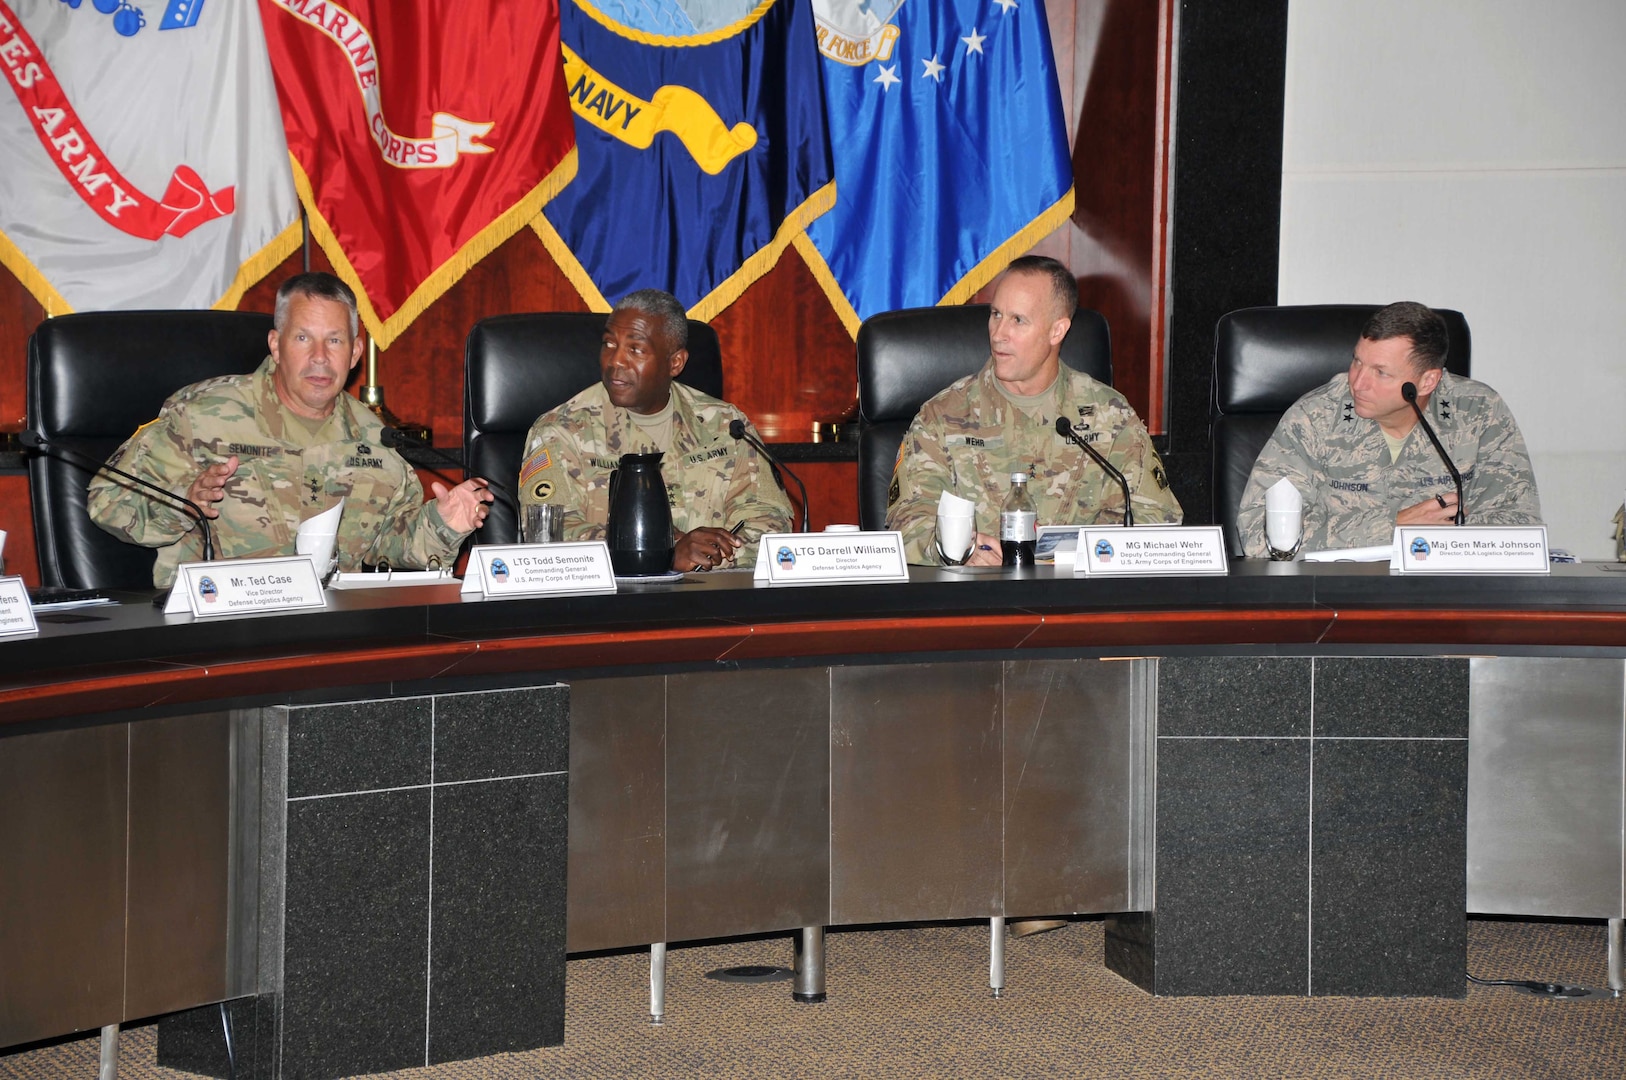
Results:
[377, 829]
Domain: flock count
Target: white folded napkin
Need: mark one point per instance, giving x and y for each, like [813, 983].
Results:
[1283, 498]
[951, 505]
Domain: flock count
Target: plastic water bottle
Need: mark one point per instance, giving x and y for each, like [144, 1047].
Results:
[1018, 523]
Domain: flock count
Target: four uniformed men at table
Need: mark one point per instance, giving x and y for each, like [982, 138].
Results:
[970, 438]
[1357, 455]
[262, 452]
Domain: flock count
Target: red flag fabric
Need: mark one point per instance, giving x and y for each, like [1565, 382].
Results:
[423, 134]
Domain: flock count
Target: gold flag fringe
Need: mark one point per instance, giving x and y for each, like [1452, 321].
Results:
[23, 269]
[259, 264]
[566, 259]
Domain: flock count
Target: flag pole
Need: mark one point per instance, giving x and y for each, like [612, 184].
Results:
[372, 396]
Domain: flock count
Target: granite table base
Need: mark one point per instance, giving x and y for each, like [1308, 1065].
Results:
[411, 899]
[1311, 829]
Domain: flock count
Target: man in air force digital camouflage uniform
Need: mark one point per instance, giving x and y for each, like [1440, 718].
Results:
[972, 436]
[262, 452]
[1356, 453]
[713, 481]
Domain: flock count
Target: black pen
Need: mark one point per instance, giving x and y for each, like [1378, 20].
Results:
[738, 525]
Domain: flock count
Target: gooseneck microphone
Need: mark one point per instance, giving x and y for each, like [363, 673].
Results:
[395, 438]
[1064, 428]
[737, 429]
[37, 442]
[1409, 392]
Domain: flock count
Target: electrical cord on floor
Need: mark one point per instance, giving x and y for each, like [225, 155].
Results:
[1537, 987]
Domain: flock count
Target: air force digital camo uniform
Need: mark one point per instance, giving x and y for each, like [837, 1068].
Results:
[971, 437]
[284, 475]
[1352, 491]
[711, 478]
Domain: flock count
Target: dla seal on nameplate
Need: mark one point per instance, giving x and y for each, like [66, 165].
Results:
[504, 571]
[1145, 550]
[16, 613]
[1470, 549]
[240, 586]
[831, 558]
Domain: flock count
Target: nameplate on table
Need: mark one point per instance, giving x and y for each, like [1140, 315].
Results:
[1150, 550]
[502, 571]
[831, 558]
[1470, 549]
[240, 586]
[16, 613]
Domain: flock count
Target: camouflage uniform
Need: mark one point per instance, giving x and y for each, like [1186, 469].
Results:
[711, 479]
[1352, 492]
[970, 438]
[280, 481]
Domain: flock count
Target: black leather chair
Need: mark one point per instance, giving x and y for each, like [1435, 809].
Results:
[93, 378]
[517, 367]
[906, 357]
[1266, 358]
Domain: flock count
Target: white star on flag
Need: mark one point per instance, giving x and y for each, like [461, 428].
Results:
[973, 44]
[1005, 6]
[934, 70]
[888, 78]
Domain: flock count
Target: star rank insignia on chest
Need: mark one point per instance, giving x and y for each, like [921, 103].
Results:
[316, 489]
[1349, 411]
[1445, 410]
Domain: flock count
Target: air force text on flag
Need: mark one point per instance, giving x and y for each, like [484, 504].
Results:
[951, 149]
[701, 141]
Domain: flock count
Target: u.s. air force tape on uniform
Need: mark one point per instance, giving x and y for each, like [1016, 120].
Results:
[503, 571]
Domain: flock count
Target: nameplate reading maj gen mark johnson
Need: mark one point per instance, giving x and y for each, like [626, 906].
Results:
[16, 614]
[239, 586]
[1471, 549]
[1105, 551]
[503, 571]
[827, 558]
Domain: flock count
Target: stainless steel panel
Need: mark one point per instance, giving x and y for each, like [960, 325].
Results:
[62, 838]
[747, 802]
[917, 793]
[179, 874]
[1545, 787]
[243, 891]
[1069, 728]
[617, 875]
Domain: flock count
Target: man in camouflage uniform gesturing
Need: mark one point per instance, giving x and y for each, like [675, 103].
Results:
[972, 436]
[713, 481]
[1356, 453]
[260, 453]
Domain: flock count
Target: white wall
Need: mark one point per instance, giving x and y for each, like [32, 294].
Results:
[1472, 154]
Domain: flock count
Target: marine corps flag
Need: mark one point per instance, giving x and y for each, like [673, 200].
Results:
[701, 130]
[951, 149]
[423, 134]
[144, 165]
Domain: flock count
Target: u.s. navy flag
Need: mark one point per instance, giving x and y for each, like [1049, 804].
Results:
[700, 125]
[144, 161]
[951, 149]
[423, 133]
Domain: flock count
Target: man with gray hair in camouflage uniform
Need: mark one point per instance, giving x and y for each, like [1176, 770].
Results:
[1356, 453]
[970, 438]
[262, 452]
[722, 498]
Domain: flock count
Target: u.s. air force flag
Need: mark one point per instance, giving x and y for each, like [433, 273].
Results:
[703, 152]
[951, 149]
[144, 165]
[424, 133]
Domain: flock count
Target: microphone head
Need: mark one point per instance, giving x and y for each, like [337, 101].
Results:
[31, 438]
[1409, 393]
[736, 428]
[1064, 426]
[393, 438]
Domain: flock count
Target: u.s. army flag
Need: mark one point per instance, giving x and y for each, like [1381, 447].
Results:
[424, 133]
[144, 159]
[951, 149]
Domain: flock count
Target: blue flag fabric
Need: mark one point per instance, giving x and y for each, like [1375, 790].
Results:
[951, 149]
[701, 141]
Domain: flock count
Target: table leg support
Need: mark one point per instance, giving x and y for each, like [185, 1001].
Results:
[109, 1067]
[657, 982]
[809, 965]
[1617, 955]
[996, 955]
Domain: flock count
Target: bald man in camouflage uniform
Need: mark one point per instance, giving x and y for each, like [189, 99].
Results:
[263, 452]
[1354, 450]
[713, 481]
[972, 436]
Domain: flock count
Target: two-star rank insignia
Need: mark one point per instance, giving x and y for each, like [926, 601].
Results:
[1349, 411]
[1445, 410]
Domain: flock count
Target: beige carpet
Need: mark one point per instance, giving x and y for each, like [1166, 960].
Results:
[915, 1003]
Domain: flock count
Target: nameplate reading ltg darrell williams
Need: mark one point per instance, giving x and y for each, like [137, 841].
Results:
[235, 586]
[502, 571]
[16, 614]
[1471, 549]
[825, 558]
[1144, 550]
